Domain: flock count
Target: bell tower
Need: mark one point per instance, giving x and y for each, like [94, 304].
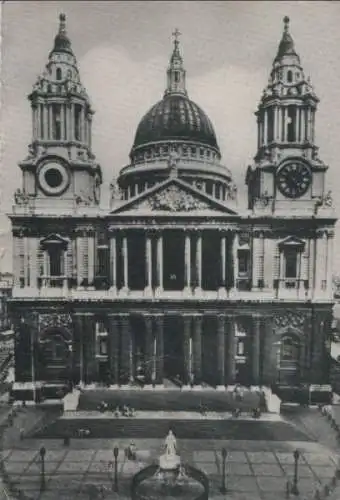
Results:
[60, 169]
[287, 174]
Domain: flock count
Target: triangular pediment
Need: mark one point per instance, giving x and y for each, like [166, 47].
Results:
[292, 241]
[54, 239]
[173, 195]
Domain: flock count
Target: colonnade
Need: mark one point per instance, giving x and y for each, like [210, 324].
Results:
[122, 339]
[193, 261]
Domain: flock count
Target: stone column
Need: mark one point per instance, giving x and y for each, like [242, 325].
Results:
[298, 111]
[78, 348]
[50, 121]
[91, 258]
[113, 264]
[62, 122]
[222, 289]
[197, 349]
[256, 350]
[285, 124]
[72, 122]
[149, 340]
[199, 263]
[276, 128]
[221, 351]
[113, 349]
[279, 123]
[235, 259]
[89, 348]
[330, 251]
[231, 350]
[148, 267]
[159, 348]
[125, 265]
[26, 260]
[303, 124]
[187, 263]
[34, 121]
[81, 251]
[265, 141]
[33, 263]
[90, 132]
[160, 263]
[187, 319]
[82, 124]
[125, 349]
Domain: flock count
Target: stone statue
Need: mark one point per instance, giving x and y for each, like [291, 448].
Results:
[170, 444]
[115, 193]
[20, 198]
[170, 461]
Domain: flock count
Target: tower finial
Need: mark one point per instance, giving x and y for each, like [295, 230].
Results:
[176, 34]
[62, 23]
[286, 23]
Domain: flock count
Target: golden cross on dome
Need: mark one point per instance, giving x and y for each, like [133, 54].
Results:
[176, 34]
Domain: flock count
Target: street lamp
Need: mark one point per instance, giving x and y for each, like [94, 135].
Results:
[115, 454]
[224, 454]
[295, 489]
[42, 477]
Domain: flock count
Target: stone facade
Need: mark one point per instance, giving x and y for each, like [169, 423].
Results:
[173, 282]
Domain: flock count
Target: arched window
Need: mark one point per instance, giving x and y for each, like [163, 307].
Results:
[289, 76]
[58, 74]
[176, 76]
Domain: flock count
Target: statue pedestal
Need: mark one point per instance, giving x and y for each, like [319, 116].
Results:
[169, 462]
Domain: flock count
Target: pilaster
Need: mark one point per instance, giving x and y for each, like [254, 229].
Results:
[113, 348]
[159, 319]
[221, 349]
[125, 346]
[187, 320]
[230, 320]
[149, 354]
[256, 350]
[197, 348]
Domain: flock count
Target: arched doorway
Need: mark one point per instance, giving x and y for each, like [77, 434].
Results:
[55, 355]
[289, 349]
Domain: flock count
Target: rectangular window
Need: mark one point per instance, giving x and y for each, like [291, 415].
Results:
[291, 264]
[291, 124]
[209, 187]
[77, 116]
[56, 121]
[243, 262]
[56, 261]
[270, 129]
[103, 347]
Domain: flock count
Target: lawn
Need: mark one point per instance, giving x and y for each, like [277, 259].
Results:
[184, 429]
[169, 400]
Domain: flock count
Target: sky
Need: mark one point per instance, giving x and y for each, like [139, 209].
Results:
[123, 49]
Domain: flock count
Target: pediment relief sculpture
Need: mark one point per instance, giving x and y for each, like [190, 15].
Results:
[174, 200]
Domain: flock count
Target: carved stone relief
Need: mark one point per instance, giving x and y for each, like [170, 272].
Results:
[55, 320]
[286, 319]
[174, 200]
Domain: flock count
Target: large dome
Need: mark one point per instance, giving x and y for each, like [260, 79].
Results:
[173, 118]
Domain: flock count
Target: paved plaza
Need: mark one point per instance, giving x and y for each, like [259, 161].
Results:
[255, 470]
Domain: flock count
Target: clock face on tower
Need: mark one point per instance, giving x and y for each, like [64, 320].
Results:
[53, 177]
[293, 179]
